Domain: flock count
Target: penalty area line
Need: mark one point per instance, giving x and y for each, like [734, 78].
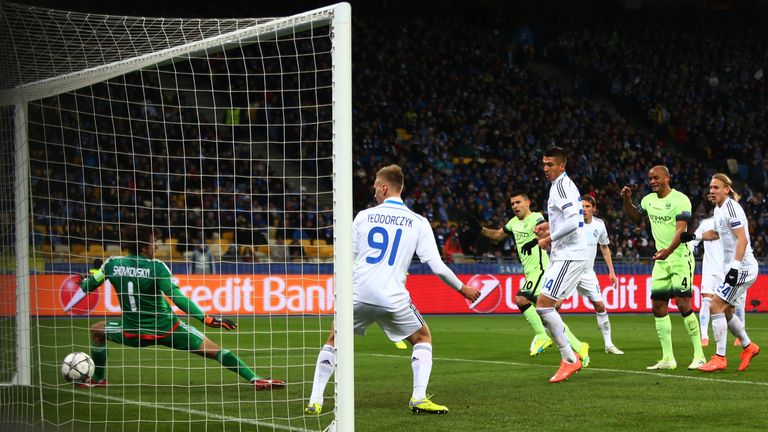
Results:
[184, 410]
[624, 371]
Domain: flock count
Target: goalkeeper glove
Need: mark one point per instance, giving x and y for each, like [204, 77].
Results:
[218, 323]
[731, 277]
[526, 249]
[685, 237]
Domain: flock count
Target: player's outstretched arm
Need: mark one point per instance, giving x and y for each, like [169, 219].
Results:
[705, 236]
[470, 293]
[496, 235]
[630, 210]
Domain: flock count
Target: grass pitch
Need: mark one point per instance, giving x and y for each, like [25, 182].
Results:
[482, 372]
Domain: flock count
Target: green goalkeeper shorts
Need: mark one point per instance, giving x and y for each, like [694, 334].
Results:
[181, 337]
[671, 279]
[532, 286]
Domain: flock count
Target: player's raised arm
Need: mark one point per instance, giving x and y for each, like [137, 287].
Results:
[632, 212]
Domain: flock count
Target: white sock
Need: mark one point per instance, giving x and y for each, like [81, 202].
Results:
[326, 363]
[556, 327]
[704, 317]
[605, 327]
[737, 328]
[421, 363]
[739, 310]
[720, 331]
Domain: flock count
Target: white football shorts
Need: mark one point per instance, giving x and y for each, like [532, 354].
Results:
[561, 278]
[710, 282]
[397, 325]
[733, 295]
[589, 287]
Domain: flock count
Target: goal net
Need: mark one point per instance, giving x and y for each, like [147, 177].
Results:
[232, 137]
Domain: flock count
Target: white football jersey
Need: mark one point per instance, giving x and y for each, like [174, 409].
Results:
[712, 263]
[384, 239]
[565, 201]
[728, 217]
[594, 234]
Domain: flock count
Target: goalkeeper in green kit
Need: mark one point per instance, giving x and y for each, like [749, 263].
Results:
[141, 282]
[668, 210]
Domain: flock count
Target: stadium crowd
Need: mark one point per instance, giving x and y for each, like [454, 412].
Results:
[455, 102]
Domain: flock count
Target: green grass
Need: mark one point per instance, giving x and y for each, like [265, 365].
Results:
[482, 372]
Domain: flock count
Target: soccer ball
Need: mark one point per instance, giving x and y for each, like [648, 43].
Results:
[77, 367]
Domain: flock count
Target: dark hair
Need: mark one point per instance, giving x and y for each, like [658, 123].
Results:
[136, 237]
[557, 153]
[588, 198]
[518, 192]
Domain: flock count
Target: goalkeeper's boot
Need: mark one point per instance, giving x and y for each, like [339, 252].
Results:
[268, 384]
[750, 351]
[91, 383]
[584, 354]
[401, 345]
[313, 409]
[539, 344]
[705, 342]
[716, 363]
[613, 349]
[566, 369]
[426, 406]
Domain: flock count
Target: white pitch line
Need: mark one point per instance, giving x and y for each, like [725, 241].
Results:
[185, 410]
[632, 372]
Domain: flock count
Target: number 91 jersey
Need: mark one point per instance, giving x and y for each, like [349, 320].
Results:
[384, 239]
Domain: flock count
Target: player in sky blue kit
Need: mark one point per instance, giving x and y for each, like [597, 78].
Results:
[384, 240]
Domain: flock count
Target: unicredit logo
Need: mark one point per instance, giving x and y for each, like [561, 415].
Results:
[490, 293]
[67, 290]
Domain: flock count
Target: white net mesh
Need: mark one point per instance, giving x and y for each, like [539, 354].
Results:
[226, 147]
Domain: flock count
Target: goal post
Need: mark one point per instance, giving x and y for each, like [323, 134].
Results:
[233, 137]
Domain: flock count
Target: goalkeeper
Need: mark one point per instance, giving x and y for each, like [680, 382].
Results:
[147, 319]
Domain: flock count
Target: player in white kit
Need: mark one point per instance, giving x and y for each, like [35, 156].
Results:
[732, 230]
[568, 255]
[711, 273]
[596, 235]
[384, 240]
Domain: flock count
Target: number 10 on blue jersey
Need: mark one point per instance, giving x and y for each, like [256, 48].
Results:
[383, 245]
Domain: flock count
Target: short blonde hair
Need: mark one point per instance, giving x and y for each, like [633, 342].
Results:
[728, 182]
[393, 176]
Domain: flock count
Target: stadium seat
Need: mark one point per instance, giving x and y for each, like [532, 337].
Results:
[228, 236]
[113, 250]
[77, 249]
[319, 242]
[95, 251]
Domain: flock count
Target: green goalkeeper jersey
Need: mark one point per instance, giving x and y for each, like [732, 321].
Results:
[522, 232]
[664, 214]
[141, 285]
